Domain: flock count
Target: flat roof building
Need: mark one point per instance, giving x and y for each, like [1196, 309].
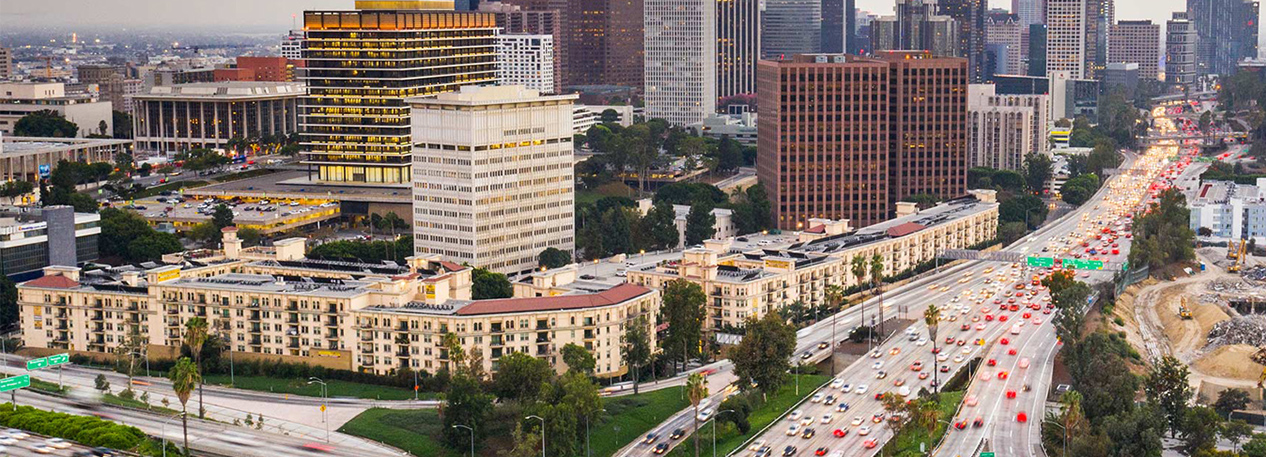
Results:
[32, 158]
[85, 110]
[177, 118]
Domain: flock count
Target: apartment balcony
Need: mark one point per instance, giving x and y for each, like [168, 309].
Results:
[293, 344]
[364, 325]
[293, 320]
[402, 353]
[331, 323]
[256, 328]
[366, 336]
[331, 334]
[255, 342]
[173, 310]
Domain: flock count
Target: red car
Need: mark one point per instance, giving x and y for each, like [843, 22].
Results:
[992, 362]
[1011, 351]
[820, 451]
[1010, 394]
[1002, 318]
[1014, 308]
[1026, 315]
[869, 444]
[1002, 375]
[840, 433]
[1021, 417]
[962, 424]
[1005, 341]
[988, 317]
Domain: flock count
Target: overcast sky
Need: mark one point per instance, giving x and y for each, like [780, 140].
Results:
[277, 13]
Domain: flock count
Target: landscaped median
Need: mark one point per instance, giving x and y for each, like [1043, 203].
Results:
[334, 388]
[912, 436]
[88, 430]
[728, 436]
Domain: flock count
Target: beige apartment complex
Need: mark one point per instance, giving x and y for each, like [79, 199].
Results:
[274, 304]
[742, 284]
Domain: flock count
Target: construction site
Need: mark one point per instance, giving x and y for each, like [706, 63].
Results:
[1212, 319]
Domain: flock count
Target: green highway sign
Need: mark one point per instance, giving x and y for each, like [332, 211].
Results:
[986, 454]
[1041, 262]
[15, 383]
[45, 362]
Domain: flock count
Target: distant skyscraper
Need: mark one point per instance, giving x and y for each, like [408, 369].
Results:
[904, 133]
[1035, 58]
[916, 27]
[1066, 37]
[515, 19]
[526, 60]
[1226, 31]
[1004, 129]
[1029, 11]
[1136, 42]
[1006, 31]
[354, 121]
[681, 47]
[738, 46]
[1180, 50]
[6, 63]
[791, 27]
[1100, 15]
[601, 39]
[970, 17]
[839, 26]
[865, 22]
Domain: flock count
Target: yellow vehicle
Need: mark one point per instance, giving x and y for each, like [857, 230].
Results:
[1183, 311]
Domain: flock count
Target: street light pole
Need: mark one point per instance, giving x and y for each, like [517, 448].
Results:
[588, 451]
[714, 429]
[164, 431]
[472, 437]
[415, 385]
[542, 419]
[323, 407]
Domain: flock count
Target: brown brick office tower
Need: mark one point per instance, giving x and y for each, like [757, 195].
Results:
[844, 137]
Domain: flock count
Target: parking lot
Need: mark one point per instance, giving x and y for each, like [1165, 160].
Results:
[265, 215]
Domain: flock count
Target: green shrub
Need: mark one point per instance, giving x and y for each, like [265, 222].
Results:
[1119, 321]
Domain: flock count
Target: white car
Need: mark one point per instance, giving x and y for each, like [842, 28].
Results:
[857, 420]
[864, 430]
[16, 434]
[58, 443]
[43, 449]
[817, 398]
[795, 415]
[904, 391]
[826, 419]
[793, 430]
[7, 440]
[958, 359]
[860, 390]
[846, 388]
[704, 415]
[756, 445]
[877, 365]
[807, 421]
[836, 384]
[921, 342]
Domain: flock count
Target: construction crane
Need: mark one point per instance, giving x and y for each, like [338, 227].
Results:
[1230, 249]
[1239, 257]
[1183, 311]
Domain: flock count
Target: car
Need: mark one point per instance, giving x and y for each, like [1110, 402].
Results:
[991, 362]
[650, 438]
[841, 407]
[677, 434]
[58, 443]
[16, 434]
[806, 421]
[870, 444]
[922, 341]
[949, 340]
[7, 440]
[877, 365]
[936, 350]
[1002, 318]
[875, 354]
[1011, 351]
[793, 430]
[1010, 394]
[857, 420]
[824, 345]
[978, 422]
[661, 448]
[808, 433]
[1021, 417]
[877, 418]
[1037, 321]
[846, 388]
[860, 389]
[962, 342]
[863, 430]
[756, 445]
[879, 396]
[829, 400]
[899, 382]
[704, 415]
[923, 375]
[789, 450]
[881, 374]
[962, 424]
[971, 401]
[805, 355]
[765, 451]
[795, 415]
[817, 398]
[821, 451]
[43, 449]
[836, 384]
[826, 419]
[1004, 341]
[840, 433]
[1024, 362]
[964, 327]
[916, 366]
[894, 351]
[1003, 375]
[945, 369]
[942, 357]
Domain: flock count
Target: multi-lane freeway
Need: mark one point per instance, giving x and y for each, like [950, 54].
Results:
[967, 295]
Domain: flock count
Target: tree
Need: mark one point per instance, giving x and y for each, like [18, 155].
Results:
[1162, 235]
[1256, 446]
[195, 336]
[1166, 387]
[609, 116]
[1024, 208]
[519, 377]
[249, 236]
[877, 282]
[859, 268]
[1079, 189]
[486, 285]
[101, 384]
[661, 226]
[45, 123]
[14, 189]
[204, 159]
[589, 241]
[184, 377]
[1010, 232]
[1199, 429]
[1136, 433]
[122, 125]
[578, 359]
[932, 317]
[1237, 430]
[617, 230]
[922, 201]
[131, 346]
[1230, 400]
[754, 212]
[465, 403]
[635, 347]
[1206, 119]
[223, 217]
[682, 310]
[696, 391]
[700, 223]
[8, 302]
[1037, 170]
[553, 258]
[729, 155]
[762, 357]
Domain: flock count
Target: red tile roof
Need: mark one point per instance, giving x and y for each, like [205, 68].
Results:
[617, 294]
[905, 229]
[53, 282]
[816, 229]
[451, 266]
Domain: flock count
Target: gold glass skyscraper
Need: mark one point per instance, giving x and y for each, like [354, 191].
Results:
[360, 67]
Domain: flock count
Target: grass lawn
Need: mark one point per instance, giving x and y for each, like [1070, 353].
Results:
[633, 416]
[728, 437]
[906, 444]
[413, 430]
[243, 175]
[150, 192]
[335, 388]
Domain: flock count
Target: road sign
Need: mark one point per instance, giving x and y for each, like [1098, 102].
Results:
[986, 454]
[322, 406]
[45, 362]
[1041, 262]
[15, 382]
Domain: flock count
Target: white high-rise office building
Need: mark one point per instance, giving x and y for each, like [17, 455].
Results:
[1180, 49]
[493, 181]
[680, 60]
[1136, 42]
[1004, 129]
[526, 60]
[1066, 37]
[292, 45]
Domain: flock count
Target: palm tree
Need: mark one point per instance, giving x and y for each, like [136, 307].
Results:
[195, 337]
[696, 391]
[835, 300]
[859, 272]
[932, 316]
[893, 405]
[877, 279]
[184, 377]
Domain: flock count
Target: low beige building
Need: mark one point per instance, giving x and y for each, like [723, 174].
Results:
[275, 304]
[742, 284]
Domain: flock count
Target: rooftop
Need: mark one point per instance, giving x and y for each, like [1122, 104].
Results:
[22, 145]
[226, 90]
